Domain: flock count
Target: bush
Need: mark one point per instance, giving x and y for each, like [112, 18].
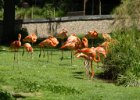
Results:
[124, 57]
[5, 95]
[128, 79]
[47, 11]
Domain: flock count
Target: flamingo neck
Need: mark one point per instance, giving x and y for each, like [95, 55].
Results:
[97, 59]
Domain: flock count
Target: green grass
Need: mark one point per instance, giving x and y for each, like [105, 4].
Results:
[37, 79]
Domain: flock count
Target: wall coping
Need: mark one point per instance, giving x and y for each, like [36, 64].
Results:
[67, 19]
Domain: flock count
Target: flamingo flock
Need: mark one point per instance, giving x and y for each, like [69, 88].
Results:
[78, 47]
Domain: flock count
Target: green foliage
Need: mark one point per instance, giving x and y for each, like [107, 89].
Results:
[5, 95]
[122, 63]
[28, 13]
[48, 11]
[1, 14]
[123, 57]
[128, 79]
[127, 14]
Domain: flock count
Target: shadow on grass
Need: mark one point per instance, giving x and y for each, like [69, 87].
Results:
[64, 64]
[104, 77]
[78, 75]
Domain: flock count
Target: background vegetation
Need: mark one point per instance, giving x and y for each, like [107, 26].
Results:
[59, 8]
[128, 14]
[122, 63]
[47, 11]
[35, 9]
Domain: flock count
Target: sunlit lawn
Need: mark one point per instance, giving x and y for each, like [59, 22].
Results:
[56, 80]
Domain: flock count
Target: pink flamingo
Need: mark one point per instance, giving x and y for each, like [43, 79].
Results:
[89, 54]
[49, 42]
[62, 35]
[91, 35]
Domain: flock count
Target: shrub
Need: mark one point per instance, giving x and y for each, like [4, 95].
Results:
[128, 79]
[123, 58]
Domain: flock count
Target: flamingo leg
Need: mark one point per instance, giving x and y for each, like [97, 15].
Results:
[86, 63]
[62, 56]
[32, 44]
[47, 56]
[51, 55]
[62, 51]
[43, 52]
[17, 57]
[92, 71]
[71, 57]
[14, 59]
[92, 42]
[31, 55]
[18, 61]
[23, 51]
[14, 55]
[28, 55]
[40, 52]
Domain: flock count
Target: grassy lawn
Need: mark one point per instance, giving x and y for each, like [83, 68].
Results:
[37, 79]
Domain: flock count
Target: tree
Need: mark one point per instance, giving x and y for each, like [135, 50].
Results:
[8, 21]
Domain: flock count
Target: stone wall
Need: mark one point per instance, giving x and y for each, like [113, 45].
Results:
[75, 24]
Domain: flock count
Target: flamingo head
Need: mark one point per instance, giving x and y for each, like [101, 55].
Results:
[85, 42]
[73, 34]
[19, 36]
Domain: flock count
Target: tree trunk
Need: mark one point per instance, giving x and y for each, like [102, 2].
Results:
[92, 9]
[85, 1]
[8, 21]
[100, 7]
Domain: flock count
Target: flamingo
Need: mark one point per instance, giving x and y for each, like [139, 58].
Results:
[15, 45]
[62, 35]
[107, 41]
[105, 45]
[91, 35]
[90, 55]
[71, 43]
[30, 38]
[28, 48]
[86, 62]
[49, 42]
[74, 43]
[84, 43]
